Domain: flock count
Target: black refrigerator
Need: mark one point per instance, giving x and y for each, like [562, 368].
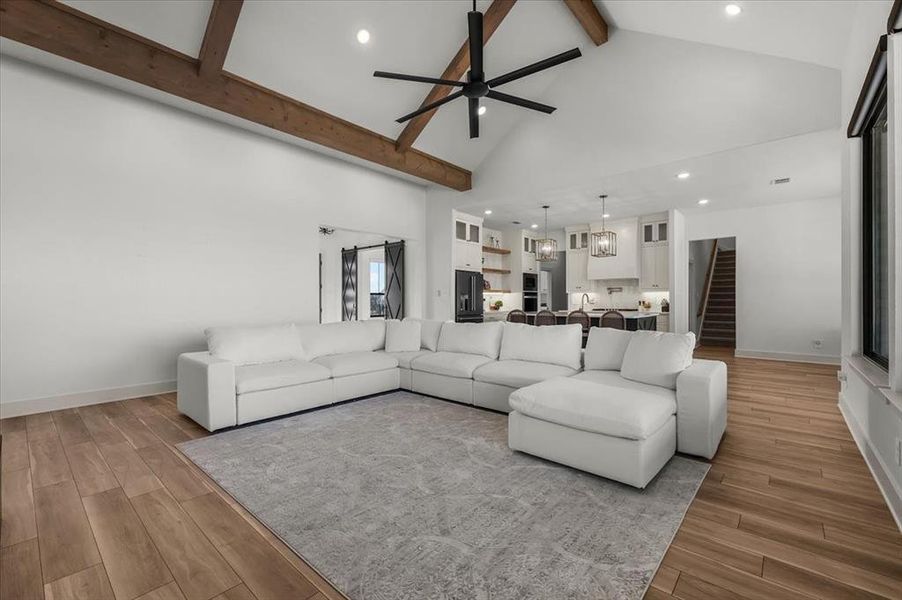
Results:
[468, 297]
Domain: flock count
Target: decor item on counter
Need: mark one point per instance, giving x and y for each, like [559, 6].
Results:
[665, 306]
[644, 305]
[486, 285]
[496, 305]
[604, 243]
[546, 249]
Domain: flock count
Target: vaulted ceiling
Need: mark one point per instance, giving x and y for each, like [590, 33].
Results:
[676, 81]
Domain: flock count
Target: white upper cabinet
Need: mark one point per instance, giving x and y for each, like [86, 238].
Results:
[577, 272]
[578, 240]
[528, 260]
[625, 265]
[654, 233]
[655, 273]
[467, 242]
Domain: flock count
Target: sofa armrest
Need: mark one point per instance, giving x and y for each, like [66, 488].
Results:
[206, 390]
[701, 392]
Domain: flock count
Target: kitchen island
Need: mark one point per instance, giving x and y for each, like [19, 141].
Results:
[635, 319]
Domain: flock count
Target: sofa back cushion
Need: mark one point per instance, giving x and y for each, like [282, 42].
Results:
[402, 336]
[605, 348]
[471, 338]
[552, 344]
[656, 358]
[429, 332]
[343, 337]
[255, 344]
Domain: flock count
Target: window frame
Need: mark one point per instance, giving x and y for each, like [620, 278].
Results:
[867, 229]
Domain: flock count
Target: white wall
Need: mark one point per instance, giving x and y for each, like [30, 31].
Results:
[787, 276]
[127, 227]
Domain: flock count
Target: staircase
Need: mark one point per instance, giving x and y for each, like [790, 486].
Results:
[719, 320]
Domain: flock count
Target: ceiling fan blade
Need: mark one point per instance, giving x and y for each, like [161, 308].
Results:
[520, 102]
[474, 20]
[535, 67]
[428, 107]
[474, 118]
[417, 78]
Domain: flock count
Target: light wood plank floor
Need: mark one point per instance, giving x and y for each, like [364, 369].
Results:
[98, 504]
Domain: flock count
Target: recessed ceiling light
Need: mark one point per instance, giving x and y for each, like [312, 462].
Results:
[488, 211]
[363, 36]
[606, 216]
[481, 111]
[703, 201]
[683, 175]
[535, 225]
[732, 9]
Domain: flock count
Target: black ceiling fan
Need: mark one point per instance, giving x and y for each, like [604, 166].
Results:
[476, 86]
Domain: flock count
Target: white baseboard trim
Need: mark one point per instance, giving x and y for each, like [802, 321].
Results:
[891, 493]
[788, 356]
[38, 405]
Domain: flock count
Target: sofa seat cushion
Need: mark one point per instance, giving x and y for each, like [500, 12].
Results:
[356, 363]
[614, 379]
[268, 376]
[594, 407]
[451, 364]
[405, 358]
[519, 373]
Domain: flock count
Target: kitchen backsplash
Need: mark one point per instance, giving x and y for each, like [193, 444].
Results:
[617, 294]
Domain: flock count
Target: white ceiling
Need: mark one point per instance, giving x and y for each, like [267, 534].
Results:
[806, 30]
[177, 25]
[678, 79]
[730, 179]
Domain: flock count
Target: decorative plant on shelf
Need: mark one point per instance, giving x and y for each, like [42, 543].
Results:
[496, 305]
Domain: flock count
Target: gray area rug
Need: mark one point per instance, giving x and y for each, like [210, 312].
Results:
[405, 497]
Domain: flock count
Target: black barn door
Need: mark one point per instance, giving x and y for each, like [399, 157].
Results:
[349, 284]
[394, 280]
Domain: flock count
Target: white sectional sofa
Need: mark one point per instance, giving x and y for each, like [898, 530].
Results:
[620, 411]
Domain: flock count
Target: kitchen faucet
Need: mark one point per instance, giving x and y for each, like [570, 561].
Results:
[582, 302]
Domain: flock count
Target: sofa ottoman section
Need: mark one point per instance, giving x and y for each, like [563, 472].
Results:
[625, 435]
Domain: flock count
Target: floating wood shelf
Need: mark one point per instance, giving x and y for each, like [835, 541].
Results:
[492, 250]
[497, 291]
[499, 271]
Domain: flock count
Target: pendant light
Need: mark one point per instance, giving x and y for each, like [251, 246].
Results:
[604, 243]
[546, 249]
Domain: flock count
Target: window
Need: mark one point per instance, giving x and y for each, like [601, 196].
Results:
[377, 289]
[874, 234]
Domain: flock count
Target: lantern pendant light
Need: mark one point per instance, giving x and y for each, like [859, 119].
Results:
[546, 249]
[604, 243]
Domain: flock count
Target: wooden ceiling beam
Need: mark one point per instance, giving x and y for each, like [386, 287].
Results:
[455, 70]
[218, 37]
[61, 30]
[588, 16]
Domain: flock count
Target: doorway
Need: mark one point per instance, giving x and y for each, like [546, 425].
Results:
[361, 275]
[712, 291]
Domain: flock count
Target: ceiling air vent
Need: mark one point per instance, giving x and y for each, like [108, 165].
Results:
[779, 181]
